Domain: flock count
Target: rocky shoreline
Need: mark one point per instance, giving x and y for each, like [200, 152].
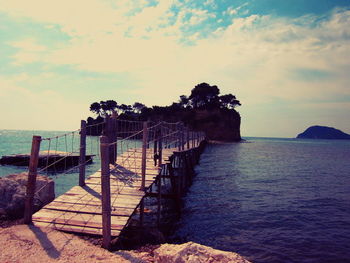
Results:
[27, 243]
[13, 192]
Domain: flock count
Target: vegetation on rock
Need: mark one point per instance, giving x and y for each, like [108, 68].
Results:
[203, 110]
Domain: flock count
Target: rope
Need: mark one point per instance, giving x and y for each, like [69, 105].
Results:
[61, 135]
[128, 147]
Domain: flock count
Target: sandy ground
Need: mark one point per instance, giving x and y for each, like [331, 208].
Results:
[23, 243]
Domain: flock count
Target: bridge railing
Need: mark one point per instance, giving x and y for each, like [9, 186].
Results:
[138, 152]
[126, 148]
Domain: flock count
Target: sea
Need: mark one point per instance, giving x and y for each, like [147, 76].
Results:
[268, 199]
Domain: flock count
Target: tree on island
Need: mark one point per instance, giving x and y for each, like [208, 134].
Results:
[96, 108]
[104, 108]
[207, 97]
[137, 106]
[203, 95]
[229, 101]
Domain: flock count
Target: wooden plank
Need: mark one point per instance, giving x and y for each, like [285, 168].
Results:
[115, 202]
[96, 190]
[116, 198]
[78, 219]
[76, 229]
[116, 191]
[118, 208]
[77, 208]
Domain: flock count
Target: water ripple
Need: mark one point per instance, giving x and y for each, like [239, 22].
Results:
[273, 200]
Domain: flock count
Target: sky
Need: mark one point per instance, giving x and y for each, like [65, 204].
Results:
[288, 62]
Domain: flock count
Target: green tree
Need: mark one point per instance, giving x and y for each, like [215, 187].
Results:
[138, 107]
[111, 106]
[229, 101]
[184, 101]
[108, 107]
[125, 108]
[96, 108]
[203, 94]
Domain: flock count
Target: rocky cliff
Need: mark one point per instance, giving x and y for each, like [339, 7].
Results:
[218, 124]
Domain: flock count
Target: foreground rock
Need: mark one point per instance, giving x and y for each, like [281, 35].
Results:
[194, 253]
[22, 243]
[323, 132]
[13, 191]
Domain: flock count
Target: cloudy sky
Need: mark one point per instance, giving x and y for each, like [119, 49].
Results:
[288, 61]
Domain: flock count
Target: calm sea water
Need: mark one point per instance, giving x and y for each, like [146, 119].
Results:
[272, 200]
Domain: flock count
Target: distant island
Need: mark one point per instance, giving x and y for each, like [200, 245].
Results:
[323, 132]
[203, 110]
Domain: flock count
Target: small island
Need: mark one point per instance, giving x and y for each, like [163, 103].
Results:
[203, 110]
[323, 132]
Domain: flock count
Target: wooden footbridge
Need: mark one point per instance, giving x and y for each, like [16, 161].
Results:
[132, 168]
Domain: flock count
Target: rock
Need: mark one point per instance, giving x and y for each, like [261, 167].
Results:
[194, 253]
[218, 124]
[13, 191]
[323, 132]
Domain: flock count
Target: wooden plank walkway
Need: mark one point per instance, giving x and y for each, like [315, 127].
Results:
[79, 209]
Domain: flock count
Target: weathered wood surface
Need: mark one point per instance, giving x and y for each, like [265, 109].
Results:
[79, 210]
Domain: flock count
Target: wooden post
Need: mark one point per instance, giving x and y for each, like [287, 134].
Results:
[82, 157]
[182, 137]
[159, 197]
[33, 165]
[155, 149]
[165, 139]
[179, 136]
[144, 153]
[188, 138]
[114, 136]
[160, 146]
[106, 192]
[110, 132]
[155, 152]
[174, 173]
[192, 138]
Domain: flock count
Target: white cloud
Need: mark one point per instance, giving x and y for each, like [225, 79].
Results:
[198, 16]
[29, 45]
[231, 11]
[29, 51]
[234, 10]
[39, 110]
[75, 17]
